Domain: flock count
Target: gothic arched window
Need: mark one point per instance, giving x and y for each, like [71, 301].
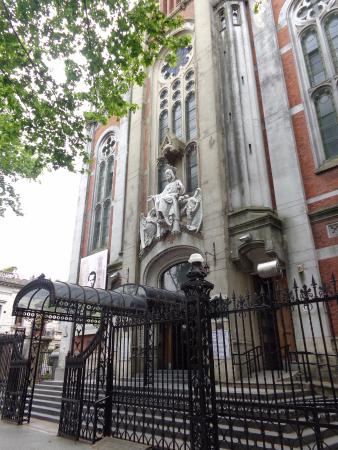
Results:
[331, 28]
[327, 119]
[313, 57]
[176, 86]
[315, 31]
[103, 191]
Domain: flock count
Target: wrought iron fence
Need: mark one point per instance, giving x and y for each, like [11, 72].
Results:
[277, 381]
[247, 372]
[190, 373]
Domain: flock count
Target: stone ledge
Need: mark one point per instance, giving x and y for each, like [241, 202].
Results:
[255, 237]
[327, 165]
[323, 214]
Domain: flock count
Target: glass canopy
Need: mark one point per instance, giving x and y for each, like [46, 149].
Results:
[65, 301]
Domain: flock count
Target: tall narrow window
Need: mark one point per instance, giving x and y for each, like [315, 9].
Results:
[221, 18]
[109, 177]
[327, 119]
[191, 130]
[163, 125]
[332, 36]
[105, 224]
[176, 85]
[313, 57]
[177, 119]
[192, 168]
[236, 18]
[103, 191]
[100, 187]
[97, 226]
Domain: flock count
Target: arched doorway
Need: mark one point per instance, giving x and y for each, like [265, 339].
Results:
[173, 336]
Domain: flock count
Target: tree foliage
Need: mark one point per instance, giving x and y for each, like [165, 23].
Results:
[104, 46]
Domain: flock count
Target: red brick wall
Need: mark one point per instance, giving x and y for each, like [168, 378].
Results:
[314, 183]
[320, 234]
[168, 6]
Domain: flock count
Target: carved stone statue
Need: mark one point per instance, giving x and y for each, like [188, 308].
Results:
[148, 228]
[166, 203]
[193, 209]
[169, 207]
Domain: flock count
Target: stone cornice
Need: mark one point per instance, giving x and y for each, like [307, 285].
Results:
[329, 212]
[243, 220]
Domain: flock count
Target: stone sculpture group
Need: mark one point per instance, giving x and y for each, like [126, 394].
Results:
[169, 206]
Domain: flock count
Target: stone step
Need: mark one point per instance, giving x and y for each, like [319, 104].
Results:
[44, 416]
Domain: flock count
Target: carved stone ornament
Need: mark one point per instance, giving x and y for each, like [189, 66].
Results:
[308, 10]
[172, 148]
[172, 209]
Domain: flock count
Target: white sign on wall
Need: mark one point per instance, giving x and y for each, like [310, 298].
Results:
[93, 270]
[220, 343]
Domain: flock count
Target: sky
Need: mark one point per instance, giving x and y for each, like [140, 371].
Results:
[41, 240]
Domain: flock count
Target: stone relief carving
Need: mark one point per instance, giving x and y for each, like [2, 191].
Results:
[193, 209]
[308, 10]
[169, 208]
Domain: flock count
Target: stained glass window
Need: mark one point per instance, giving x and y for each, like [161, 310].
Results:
[313, 58]
[332, 36]
[103, 189]
[163, 125]
[190, 117]
[327, 119]
[192, 168]
[177, 119]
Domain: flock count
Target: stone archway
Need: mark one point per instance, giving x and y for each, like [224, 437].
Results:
[171, 337]
[165, 259]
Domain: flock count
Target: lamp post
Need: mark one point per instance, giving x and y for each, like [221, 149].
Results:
[202, 394]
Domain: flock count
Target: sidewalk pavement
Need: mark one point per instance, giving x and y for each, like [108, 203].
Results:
[37, 435]
[42, 435]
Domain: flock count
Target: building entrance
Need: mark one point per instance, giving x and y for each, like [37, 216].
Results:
[172, 337]
[275, 323]
[173, 347]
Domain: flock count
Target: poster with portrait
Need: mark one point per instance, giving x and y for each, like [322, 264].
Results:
[93, 270]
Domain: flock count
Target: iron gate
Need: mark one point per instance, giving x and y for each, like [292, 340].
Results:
[185, 372]
[201, 374]
[13, 368]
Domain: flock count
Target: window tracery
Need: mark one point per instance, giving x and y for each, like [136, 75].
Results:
[307, 10]
[177, 117]
[177, 103]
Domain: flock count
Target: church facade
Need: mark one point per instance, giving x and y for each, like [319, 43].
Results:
[232, 154]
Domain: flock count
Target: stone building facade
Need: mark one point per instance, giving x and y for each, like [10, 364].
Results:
[244, 131]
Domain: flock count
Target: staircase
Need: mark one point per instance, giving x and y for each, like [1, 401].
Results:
[234, 433]
[47, 401]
